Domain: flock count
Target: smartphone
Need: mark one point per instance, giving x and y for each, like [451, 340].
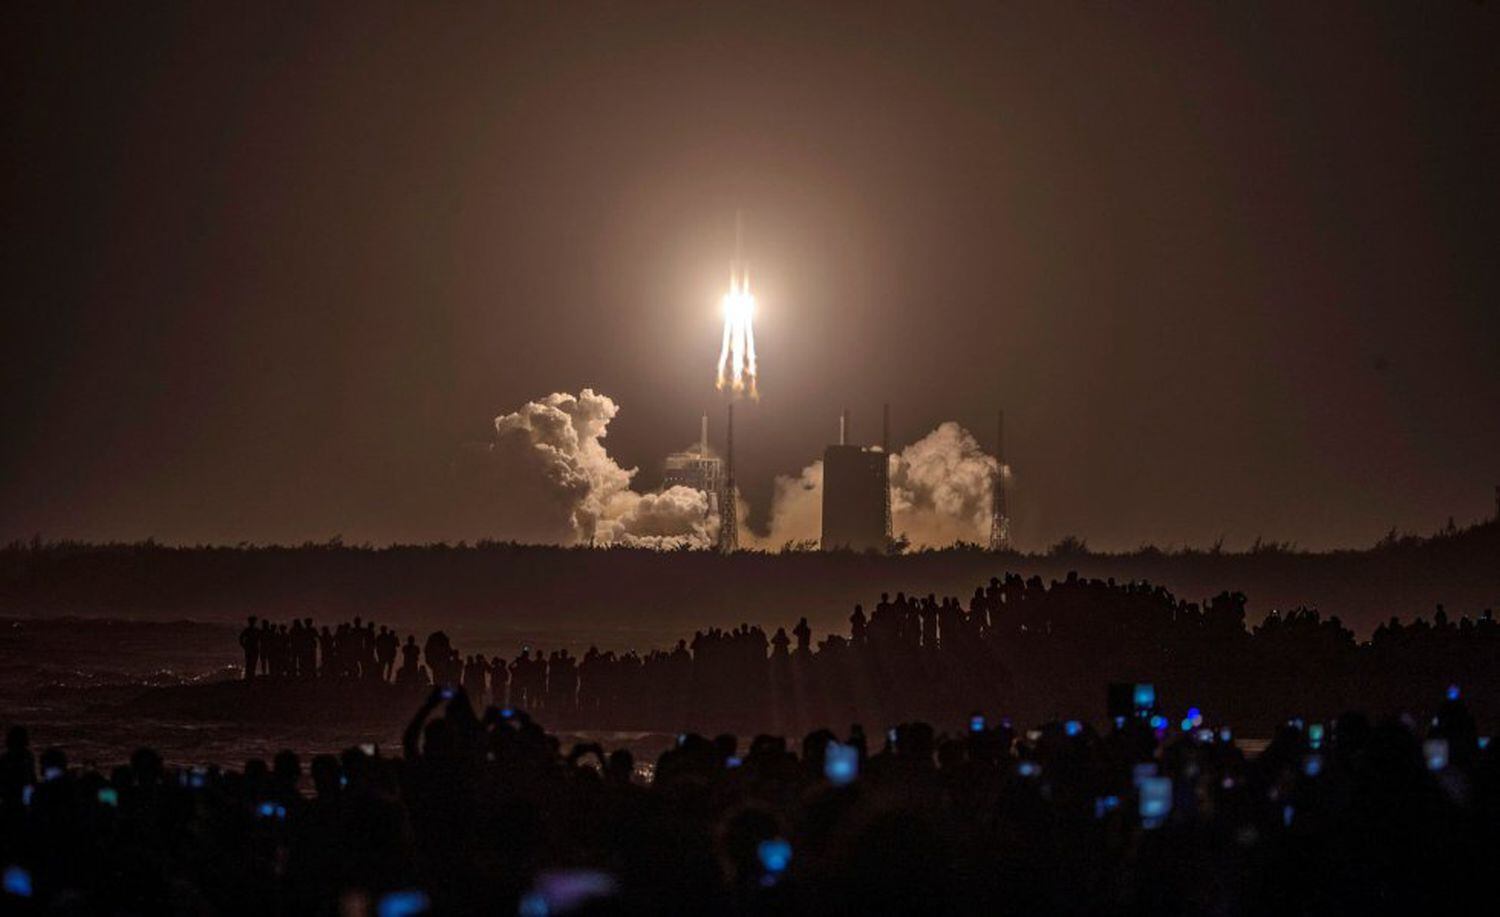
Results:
[368, 748]
[733, 761]
[1315, 735]
[1312, 765]
[507, 713]
[840, 763]
[976, 723]
[1103, 805]
[447, 693]
[774, 854]
[1435, 751]
[1073, 728]
[1155, 801]
[1143, 696]
[109, 796]
[1028, 769]
[565, 891]
[404, 903]
[16, 881]
[890, 736]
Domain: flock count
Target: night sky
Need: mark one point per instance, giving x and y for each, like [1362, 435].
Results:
[1231, 271]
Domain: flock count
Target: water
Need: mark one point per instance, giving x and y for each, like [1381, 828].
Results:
[92, 687]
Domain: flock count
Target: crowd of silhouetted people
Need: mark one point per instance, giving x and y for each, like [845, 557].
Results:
[484, 812]
[1145, 806]
[1019, 644]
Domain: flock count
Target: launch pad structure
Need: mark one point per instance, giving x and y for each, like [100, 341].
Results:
[999, 511]
[856, 498]
[729, 525]
[702, 470]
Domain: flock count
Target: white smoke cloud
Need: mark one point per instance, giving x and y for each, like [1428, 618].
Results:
[796, 511]
[940, 494]
[552, 481]
[547, 478]
[941, 487]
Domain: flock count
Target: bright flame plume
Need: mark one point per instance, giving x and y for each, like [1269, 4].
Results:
[737, 353]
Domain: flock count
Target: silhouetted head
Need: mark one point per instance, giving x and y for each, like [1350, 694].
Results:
[325, 774]
[620, 767]
[287, 767]
[253, 619]
[53, 759]
[16, 739]
[437, 738]
[146, 766]
[740, 839]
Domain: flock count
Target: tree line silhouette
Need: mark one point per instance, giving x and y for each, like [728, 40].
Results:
[668, 594]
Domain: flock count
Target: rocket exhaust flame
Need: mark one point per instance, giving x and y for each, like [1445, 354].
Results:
[737, 351]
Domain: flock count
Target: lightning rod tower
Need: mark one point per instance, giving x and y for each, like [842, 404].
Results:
[729, 532]
[885, 449]
[999, 512]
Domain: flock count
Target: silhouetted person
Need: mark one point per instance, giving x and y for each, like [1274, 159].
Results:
[499, 678]
[411, 663]
[250, 643]
[780, 642]
[265, 638]
[328, 653]
[17, 767]
[387, 645]
[803, 634]
[309, 663]
[436, 652]
[857, 625]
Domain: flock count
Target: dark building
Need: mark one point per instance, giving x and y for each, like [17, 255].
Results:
[856, 482]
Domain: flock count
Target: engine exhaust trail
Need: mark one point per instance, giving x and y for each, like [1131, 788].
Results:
[737, 364]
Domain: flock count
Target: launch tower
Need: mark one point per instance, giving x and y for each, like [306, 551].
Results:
[729, 531]
[999, 512]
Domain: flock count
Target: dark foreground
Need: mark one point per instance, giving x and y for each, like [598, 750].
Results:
[491, 815]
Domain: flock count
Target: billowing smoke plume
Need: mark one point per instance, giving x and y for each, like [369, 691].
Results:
[940, 494]
[552, 481]
[547, 478]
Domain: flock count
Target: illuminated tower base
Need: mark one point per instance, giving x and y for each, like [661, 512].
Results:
[729, 528]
